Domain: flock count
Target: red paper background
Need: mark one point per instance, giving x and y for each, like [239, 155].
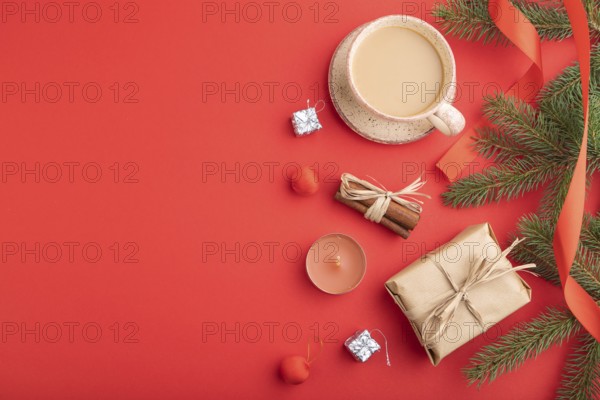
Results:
[263, 306]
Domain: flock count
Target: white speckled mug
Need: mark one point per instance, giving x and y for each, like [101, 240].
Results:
[439, 111]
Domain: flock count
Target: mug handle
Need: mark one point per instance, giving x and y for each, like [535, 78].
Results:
[448, 120]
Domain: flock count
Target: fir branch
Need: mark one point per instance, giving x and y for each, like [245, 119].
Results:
[470, 20]
[498, 182]
[581, 378]
[593, 10]
[556, 192]
[533, 148]
[537, 249]
[527, 127]
[566, 87]
[590, 233]
[521, 343]
[560, 101]
[493, 144]
[594, 132]
[555, 195]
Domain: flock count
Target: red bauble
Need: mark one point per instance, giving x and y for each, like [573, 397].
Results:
[306, 182]
[294, 370]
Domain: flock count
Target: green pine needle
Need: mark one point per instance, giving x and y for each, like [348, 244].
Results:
[590, 234]
[581, 378]
[521, 343]
[538, 249]
[507, 181]
[533, 148]
[470, 20]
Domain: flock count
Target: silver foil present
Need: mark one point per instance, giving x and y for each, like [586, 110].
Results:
[362, 346]
[306, 121]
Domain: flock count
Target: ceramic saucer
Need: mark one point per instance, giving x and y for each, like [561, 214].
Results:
[360, 120]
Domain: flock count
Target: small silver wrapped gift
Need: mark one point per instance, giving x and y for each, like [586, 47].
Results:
[306, 121]
[362, 346]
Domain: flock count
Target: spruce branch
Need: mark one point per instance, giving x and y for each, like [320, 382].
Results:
[555, 195]
[533, 148]
[511, 350]
[560, 102]
[538, 233]
[537, 248]
[581, 378]
[470, 19]
[526, 126]
[590, 233]
[497, 183]
[494, 144]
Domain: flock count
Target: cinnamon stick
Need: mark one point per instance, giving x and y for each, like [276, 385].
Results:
[385, 221]
[398, 213]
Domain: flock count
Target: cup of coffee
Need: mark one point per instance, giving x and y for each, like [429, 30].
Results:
[402, 69]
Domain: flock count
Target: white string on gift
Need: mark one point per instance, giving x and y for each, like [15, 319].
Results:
[481, 270]
[317, 110]
[387, 354]
[382, 196]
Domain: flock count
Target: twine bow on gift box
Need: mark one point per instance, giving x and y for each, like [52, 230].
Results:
[481, 270]
[382, 196]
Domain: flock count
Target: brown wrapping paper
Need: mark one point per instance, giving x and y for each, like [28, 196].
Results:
[419, 288]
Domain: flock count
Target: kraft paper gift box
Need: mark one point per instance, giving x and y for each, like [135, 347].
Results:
[459, 290]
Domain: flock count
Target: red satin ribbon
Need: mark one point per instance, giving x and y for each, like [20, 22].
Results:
[515, 26]
[521, 32]
[568, 228]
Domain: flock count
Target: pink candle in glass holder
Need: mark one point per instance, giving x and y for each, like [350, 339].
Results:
[336, 263]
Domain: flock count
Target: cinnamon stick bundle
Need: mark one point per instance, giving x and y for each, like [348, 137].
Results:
[398, 218]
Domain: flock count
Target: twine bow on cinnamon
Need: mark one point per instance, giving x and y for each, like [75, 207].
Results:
[481, 270]
[382, 196]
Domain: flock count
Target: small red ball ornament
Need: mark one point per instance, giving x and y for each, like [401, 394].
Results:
[294, 369]
[306, 182]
